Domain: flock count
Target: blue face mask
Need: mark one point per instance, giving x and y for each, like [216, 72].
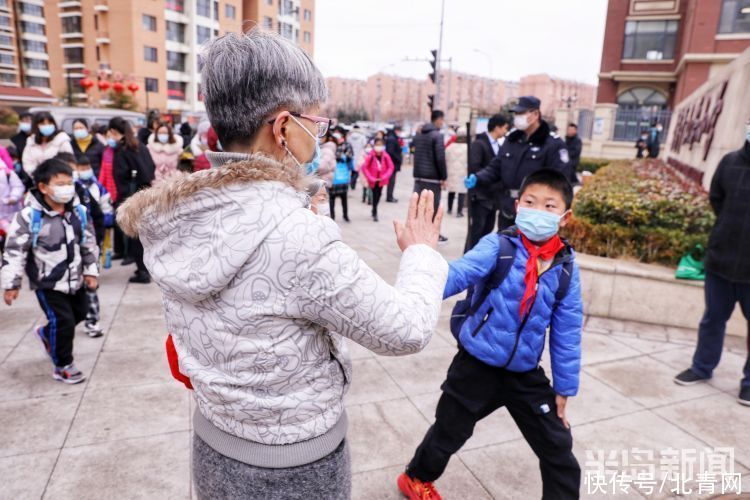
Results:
[80, 133]
[25, 127]
[537, 225]
[747, 132]
[314, 163]
[86, 175]
[111, 143]
[47, 130]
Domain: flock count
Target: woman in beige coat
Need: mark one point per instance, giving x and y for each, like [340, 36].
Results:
[456, 159]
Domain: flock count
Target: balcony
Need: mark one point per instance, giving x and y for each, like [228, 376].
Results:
[102, 38]
[101, 6]
[69, 4]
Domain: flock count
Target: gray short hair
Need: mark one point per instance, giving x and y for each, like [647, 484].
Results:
[246, 77]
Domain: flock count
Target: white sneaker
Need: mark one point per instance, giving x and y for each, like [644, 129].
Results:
[93, 330]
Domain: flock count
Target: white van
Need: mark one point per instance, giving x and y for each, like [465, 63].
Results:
[65, 116]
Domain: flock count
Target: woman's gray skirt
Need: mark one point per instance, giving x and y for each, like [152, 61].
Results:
[218, 477]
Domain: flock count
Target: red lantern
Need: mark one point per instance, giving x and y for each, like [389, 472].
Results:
[118, 87]
[86, 84]
[103, 85]
[133, 87]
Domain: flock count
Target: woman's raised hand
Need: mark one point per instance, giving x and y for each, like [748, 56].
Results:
[422, 225]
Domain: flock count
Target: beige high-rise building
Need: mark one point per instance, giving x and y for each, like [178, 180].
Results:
[345, 95]
[486, 95]
[557, 93]
[391, 97]
[292, 19]
[50, 45]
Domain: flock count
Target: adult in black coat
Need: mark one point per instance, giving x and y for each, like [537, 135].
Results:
[132, 170]
[727, 266]
[528, 148]
[24, 131]
[574, 145]
[654, 140]
[484, 200]
[84, 143]
[430, 170]
[393, 148]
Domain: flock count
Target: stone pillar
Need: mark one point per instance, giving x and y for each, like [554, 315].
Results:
[603, 130]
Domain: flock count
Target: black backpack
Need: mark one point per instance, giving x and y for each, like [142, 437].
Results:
[467, 307]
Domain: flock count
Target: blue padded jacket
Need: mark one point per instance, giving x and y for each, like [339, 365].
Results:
[497, 334]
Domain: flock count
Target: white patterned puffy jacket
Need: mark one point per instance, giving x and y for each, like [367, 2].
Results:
[258, 292]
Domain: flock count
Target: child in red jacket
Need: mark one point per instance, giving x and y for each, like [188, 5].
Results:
[377, 169]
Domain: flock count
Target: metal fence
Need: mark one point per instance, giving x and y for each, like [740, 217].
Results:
[629, 123]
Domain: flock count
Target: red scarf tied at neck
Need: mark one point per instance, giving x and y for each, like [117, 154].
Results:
[546, 252]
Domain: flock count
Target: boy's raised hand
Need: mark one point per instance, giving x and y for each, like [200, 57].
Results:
[10, 296]
[91, 282]
[561, 401]
[420, 228]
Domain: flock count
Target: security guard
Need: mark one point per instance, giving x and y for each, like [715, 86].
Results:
[531, 146]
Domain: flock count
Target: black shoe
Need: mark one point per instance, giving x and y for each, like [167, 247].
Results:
[459, 215]
[450, 212]
[392, 200]
[117, 256]
[346, 219]
[375, 218]
[140, 277]
[442, 239]
[127, 261]
[744, 397]
[688, 377]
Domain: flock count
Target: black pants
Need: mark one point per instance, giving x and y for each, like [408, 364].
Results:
[135, 250]
[353, 179]
[419, 186]
[472, 391]
[92, 309]
[64, 311]
[344, 203]
[391, 187]
[721, 297]
[377, 192]
[461, 202]
[482, 222]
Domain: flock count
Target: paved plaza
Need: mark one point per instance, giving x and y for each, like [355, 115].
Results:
[126, 432]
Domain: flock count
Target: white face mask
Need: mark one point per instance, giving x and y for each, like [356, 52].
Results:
[379, 149]
[62, 194]
[521, 122]
[324, 209]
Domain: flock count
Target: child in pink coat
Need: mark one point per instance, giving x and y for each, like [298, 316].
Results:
[377, 169]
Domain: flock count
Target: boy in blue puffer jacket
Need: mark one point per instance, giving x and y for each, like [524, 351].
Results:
[502, 340]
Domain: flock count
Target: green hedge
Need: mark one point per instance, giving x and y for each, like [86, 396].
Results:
[644, 210]
[591, 165]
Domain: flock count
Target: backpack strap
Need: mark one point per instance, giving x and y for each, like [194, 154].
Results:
[83, 218]
[564, 283]
[36, 225]
[505, 257]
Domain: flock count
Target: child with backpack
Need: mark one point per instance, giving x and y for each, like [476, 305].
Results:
[52, 240]
[521, 282]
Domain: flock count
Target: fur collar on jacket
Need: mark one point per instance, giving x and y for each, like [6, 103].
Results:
[178, 188]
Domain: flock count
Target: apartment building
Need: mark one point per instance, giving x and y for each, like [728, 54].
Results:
[292, 19]
[558, 93]
[345, 95]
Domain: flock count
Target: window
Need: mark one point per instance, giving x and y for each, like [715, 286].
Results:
[34, 46]
[96, 22]
[175, 61]
[216, 9]
[6, 40]
[176, 5]
[35, 64]
[6, 58]
[31, 9]
[230, 12]
[286, 30]
[203, 34]
[7, 78]
[735, 16]
[175, 32]
[307, 37]
[267, 23]
[652, 40]
[148, 22]
[637, 109]
[286, 7]
[73, 55]
[152, 84]
[71, 24]
[269, 2]
[35, 28]
[308, 15]
[98, 54]
[203, 8]
[150, 54]
[4, 22]
[37, 81]
[176, 90]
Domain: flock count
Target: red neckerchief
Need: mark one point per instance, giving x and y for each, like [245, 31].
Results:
[450, 140]
[546, 252]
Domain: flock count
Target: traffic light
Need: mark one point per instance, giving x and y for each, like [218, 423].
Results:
[433, 65]
[431, 101]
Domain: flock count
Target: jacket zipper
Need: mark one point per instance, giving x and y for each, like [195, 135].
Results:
[528, 313]
[484, 320]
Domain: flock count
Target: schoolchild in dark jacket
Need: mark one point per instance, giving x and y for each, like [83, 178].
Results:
[502, 343]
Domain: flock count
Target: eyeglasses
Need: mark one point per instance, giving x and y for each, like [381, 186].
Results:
[322, 123]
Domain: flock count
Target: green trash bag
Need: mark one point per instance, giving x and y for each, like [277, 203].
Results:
[691, 265]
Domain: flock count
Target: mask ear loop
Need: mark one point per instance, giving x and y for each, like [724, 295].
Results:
[276, 129]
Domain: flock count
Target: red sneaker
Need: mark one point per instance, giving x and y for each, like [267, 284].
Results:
[414, 489]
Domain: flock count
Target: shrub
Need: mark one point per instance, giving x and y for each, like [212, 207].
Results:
[592, 165]
[644, 210]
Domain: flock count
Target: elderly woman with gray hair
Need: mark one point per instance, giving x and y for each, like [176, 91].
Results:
[259, 292]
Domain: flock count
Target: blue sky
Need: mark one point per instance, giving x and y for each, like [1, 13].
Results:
[356, 38]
